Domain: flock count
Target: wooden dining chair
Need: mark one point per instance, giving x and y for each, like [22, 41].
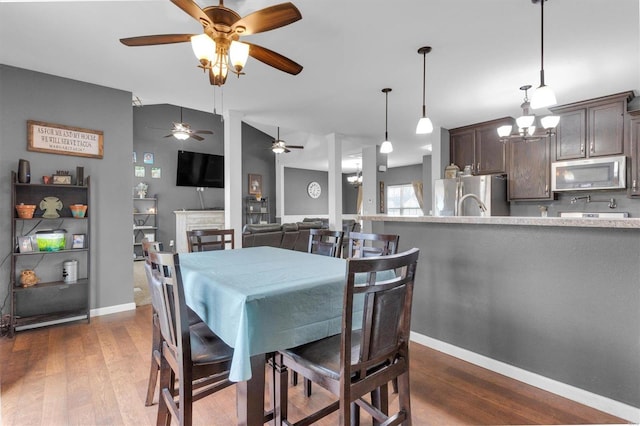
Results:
[210, 239]
[325, 242]
[156, 337]
[191, 355]
[366, 245]
[356, 363]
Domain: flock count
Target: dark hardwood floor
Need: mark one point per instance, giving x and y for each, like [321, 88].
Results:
[96, 374]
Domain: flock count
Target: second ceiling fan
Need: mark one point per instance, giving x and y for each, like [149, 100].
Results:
[279, 146]
[218, 48]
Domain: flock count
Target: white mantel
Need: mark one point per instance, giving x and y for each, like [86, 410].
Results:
[187, 220]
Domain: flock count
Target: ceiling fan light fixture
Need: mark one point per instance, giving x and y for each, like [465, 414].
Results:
[238, 53]
[204, 48]
[181, 135]
[425, 126]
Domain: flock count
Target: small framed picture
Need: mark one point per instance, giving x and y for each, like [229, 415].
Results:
[156, 173]
[78, 241]
[139, 171]
[148, 158]
[25, 245]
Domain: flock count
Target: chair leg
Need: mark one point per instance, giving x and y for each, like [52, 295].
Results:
[156, 347]
[166, 382]
[307, 387]
[380, 400]
[404, 398]
[281, 374]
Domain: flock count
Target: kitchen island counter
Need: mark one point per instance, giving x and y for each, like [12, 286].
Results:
[512, 220]
[557, 297]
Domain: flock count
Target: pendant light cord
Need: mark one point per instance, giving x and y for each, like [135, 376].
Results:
[386, 115]
[542, 42]
[424, 84]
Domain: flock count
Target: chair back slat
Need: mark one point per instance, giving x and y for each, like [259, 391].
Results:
[149, 246]
[387, 289]
[368, 245]
[172, 313]
[325, 242]
[210, 239]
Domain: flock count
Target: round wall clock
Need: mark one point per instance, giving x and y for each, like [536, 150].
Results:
[314, 190]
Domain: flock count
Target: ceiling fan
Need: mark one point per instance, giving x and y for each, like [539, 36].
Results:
[182, 131]
[279, 146]
[218, 48]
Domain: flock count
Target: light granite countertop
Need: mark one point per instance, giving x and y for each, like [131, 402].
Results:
[512, 220]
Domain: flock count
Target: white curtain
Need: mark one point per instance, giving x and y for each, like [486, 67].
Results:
[417, 189]
[359, 202]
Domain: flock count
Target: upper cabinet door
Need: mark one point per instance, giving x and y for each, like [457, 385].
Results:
[529, 170]
[462, 147]
[571, 136]
[606, 129]
[490, 151]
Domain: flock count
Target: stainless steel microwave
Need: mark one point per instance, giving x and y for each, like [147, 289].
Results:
[589, 174]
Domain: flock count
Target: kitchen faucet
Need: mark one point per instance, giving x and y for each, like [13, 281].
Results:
[481, 205]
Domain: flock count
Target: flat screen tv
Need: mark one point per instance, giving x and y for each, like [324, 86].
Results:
[198, 169]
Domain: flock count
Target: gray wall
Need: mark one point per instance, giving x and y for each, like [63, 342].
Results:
[151, 123]
[257, 158]
[296, 200]
[27, 95]
[560, 302]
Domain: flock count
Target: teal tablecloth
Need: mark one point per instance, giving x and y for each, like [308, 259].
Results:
[262, 299]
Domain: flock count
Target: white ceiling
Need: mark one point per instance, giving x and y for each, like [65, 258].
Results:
[483, 51]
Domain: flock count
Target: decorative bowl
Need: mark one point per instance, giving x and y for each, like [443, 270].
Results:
[78, 210]
[25, 211]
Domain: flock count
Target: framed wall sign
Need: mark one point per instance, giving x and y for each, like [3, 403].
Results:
[64, 140]
[78, 241]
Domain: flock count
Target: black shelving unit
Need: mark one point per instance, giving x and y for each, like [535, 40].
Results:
[52, 300]
[145, 223]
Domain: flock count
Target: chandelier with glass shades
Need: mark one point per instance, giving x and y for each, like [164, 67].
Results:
[528, 123]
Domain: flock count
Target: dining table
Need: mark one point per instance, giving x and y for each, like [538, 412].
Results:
[260, 300]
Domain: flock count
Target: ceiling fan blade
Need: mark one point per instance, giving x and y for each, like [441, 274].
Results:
[156, 39]
[274, 59]
[196, 137]
[267, 19]
[295, 146]
[192, 9]
[168, 136]
[203, 132]
[287, 150]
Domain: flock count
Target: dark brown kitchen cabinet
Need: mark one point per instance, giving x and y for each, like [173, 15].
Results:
[634, 187]
[479, 146]
[592, 128]
[529, 169]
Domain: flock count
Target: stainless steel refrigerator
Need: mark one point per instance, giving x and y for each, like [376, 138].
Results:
[489, 191]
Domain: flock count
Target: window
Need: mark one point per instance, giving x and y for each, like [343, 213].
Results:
[402, 201]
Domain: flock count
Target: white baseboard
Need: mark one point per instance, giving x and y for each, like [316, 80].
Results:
[607, 405]
[113, 309]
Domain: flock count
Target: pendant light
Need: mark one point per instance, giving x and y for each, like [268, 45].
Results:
[386, 146]
[424, 124]
[543, 96]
